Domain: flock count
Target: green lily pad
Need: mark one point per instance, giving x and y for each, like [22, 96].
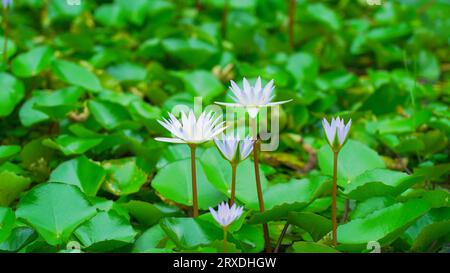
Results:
[250, 238]
[295, 195]
[11, 46]
[7, 151]
[18, 238]
[173, 182]
[150, 240]
[44, 105]
[31, 63]
[81, 172]
[383, 225]
[354, 159]
[76, 75]
[109, 115]
[303, 66]
[7, 220]
[123, 176]
[55, 210]
[147, 214]
[11, 186]
[218, 173]
[71, 145]
[105, 231]
[380, 182]
[325, 15]
[191, 51]
[13, 92]
[311, 247]
[431, 227]
[370, 205]
[201, 83]
[316, 225]
[128, 72]
[188, 233]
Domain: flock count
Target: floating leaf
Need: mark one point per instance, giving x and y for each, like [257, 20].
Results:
[218, 173]
[380, 182]
[311, 247]
[429, 228]
[18, 238]
[316, 225]
[44, 105]
[295, 195]
[128, 72]
[325, 15]
[354, 159]
[11, 94]
[11, 185]
[201, 83]
[7, 151]
[71, 145]
[383, 225]
[105, 231]
[31, 63]
[150, 240]
[109, 115]
[123, 176]
[303, 66]
[76, 75]
[250, 238]
[146, 213]
[190, 232]
[370, 205]
[7, 220]
[193, 52]
[173, 182]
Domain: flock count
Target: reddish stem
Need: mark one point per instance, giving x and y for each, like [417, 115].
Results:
[333, 204]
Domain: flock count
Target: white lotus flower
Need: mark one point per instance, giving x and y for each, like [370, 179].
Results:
[226, 215]
[338, 128]
[191, 130]
[252, 98]
[229, 146]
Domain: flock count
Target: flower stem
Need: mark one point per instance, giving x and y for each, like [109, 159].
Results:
[291, 22]
[194, 182]
[6, 28]
[256, 147]
[233, 183]
[333, 204]
[225, 240]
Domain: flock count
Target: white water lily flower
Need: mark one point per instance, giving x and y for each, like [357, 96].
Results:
[226, 215]
[192, 130]
[229, 146]
[252, 98]
[338, 128]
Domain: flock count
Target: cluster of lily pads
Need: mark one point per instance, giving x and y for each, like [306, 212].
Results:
[90, 93]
